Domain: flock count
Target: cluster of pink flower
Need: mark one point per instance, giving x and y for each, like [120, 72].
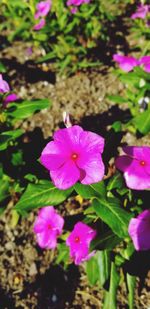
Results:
[43, 8]
[49, 225]
[127, 63]
[141, 12]
[76, 155]
[4, 88]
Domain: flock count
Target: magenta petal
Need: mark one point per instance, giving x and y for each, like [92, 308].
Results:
[123, 163]
[65, 176]
[39, 25]
[92, 142]
[94, 170]
[39, 226]
[139, 231]
[53, 156]
[69, 136]
[46, 239]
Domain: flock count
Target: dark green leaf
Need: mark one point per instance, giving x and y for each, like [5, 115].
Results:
[116, 182]
[103, 260]
[89, 191]
[107, 240]
[111, 296]
[113, 215]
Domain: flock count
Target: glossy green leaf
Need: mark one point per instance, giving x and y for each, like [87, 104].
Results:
[26, 108]
[103, 260]
[40, 195]
[113, 215]
[111, 296]
[89, 191]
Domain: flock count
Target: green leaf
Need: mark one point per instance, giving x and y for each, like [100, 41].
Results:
[107, 240]
[111, 296]
[8, 136]
[92, 270]
[4, 185]
[113, 215]
[142, 122]
[131, 283]
[117, 99]
[26, 108]
[103, 260]
[62, 254]
[40, 195]
[89, 191]
[116, 182]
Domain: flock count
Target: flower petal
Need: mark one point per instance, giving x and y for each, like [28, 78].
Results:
[94, 170]
[65, 176]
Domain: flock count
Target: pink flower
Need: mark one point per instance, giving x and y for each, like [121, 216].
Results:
[4, 87]
[12, 97]
[139, 231]
[39, 25]
[126, 63]
[141, 12]
[74, 155]
[43, 9]
[145, 61]
[79, 242]
[47, 227]
[76, 2]
[136, 166]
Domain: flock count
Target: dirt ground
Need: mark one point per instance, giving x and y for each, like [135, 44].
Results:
[28, 277]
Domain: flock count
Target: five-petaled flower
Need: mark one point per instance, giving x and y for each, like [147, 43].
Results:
[135, 165]
[47, 227]
[74, 155]
[139, 231]
[4, 87]
[79, 242]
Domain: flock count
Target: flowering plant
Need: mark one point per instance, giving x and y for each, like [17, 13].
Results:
[74, 159]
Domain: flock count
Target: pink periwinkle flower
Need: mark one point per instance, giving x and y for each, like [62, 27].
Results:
[76, 2]
[135, 165]
[126, 63]
[4, 87]
[145, 62]
[43, 8]
[39, 25]
[47, 227]
[79, 242]
[139, 231]
[141, 12]
[74, 155]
